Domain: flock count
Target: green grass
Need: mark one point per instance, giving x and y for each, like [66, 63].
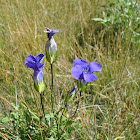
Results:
[109, 107]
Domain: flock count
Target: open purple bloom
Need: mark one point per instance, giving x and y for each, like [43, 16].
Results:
[51, 46]
[84, 72]
[36, 64]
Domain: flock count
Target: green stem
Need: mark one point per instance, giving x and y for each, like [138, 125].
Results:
[41, 98]
[52, 77]
[52, 86]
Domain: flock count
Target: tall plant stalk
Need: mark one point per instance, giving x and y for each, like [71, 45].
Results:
[53, 97]
[41, 98]
[52, 77]
[52, 86]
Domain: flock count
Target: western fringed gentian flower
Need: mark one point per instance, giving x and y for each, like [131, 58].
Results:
[36, 64]
[72, 92]
[71, 95]
[51, 46]
[84, 72]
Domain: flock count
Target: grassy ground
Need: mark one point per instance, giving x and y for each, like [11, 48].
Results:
[109, 108]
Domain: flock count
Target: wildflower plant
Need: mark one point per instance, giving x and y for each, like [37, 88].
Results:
[59, 122]
[84, 72]
[51, 46]
[81, 71]
[35, 64]
[70, 101]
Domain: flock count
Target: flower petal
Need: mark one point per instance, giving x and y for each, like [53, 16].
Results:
[35, 75]
[38, 76]
[82, 63]
[89, 77]
[30, 62]
[40, 66]
[94, 66]
[76, 72]
[48, 29]
[40, 58]
[52, 33]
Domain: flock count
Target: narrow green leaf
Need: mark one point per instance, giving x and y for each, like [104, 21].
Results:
[97, 19]
[119, 138]
[6, 119]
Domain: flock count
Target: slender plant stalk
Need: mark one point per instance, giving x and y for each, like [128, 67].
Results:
[52, 93]
[52, 77]
[41, 98]
[52, 86]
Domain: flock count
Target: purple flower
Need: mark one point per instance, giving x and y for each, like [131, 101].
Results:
[35, 64]
[50, 33]
[84, 72]
[51, 46]
[72, 92]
